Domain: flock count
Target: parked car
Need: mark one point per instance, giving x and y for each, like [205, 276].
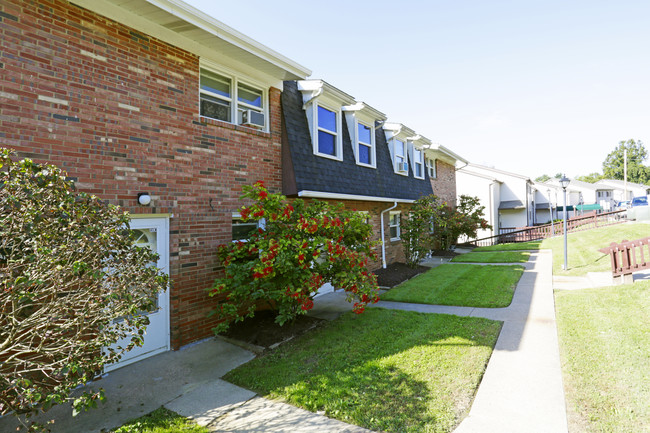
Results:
[639, 201]
[621, 205]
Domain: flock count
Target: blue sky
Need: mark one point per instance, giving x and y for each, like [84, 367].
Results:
[531, 87]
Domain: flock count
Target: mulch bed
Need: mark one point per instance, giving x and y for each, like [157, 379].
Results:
[261, 329]
[396, 273]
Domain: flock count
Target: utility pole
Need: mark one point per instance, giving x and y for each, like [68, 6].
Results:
[625, 172]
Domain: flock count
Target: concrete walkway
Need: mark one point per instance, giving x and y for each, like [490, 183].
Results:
[521, 390]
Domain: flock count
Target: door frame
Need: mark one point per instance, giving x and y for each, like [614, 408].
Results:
[161, 223]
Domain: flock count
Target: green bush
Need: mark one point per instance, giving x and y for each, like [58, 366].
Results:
[68, 269]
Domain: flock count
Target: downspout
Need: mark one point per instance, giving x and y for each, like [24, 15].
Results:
[494, 229]
[383, 241]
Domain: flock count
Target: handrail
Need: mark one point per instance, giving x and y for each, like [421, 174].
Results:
[545, 231]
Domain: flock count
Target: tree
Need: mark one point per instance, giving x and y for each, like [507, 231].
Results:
[543, 178]
[417, 229]
[448, 225]
[590, 178]
[613, 166]
[302, 246]
[68, 270]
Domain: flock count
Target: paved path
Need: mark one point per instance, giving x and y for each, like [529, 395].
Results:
[521, 390]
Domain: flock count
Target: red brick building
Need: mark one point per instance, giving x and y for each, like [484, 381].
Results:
[118, 104]
[154, 98]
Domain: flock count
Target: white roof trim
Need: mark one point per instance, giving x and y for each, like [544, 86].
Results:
[337, 196]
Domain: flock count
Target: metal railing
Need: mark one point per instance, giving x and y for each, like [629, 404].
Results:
[575, 224]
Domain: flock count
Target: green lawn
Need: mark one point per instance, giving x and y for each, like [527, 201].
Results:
[461, 285]
[533, 245]
[583, 254]
[161, 421]
[605, 348]
[493, 257]
[392, 371]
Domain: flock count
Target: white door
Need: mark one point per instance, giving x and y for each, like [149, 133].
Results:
[153, 233]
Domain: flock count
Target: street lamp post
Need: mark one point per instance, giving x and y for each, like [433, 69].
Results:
[550, 211]
[564, 182]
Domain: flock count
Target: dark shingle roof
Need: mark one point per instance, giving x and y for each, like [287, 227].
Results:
[310, 172]
[511, 204]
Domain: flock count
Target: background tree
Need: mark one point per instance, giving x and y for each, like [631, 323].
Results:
[543, 178]
[303, 246]
[636, 154]
[68, 269]
[590, 178]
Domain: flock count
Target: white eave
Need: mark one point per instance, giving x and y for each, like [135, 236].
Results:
[337, 196]
[182, 25]
[314, 88]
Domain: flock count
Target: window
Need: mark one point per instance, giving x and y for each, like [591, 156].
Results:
[399, 149]
[241, 229]
[365, 145]
[418, 163]
[393, 225]
[431, 168]
[327, 132]
[225, 98]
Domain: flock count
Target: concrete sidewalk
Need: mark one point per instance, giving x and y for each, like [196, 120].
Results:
[521, 390]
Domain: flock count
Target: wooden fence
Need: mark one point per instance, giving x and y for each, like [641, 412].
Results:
[628, 257]
[575, 224]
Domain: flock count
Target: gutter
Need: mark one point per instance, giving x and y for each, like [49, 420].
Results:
[383, 240]
[338, 196]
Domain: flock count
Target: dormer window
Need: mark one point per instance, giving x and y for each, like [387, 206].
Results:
[365, 145]
[418, 163]
[361, 119]
[328, 137]
[431, 168]
[322, 104]
[225, 98]
[399, 150]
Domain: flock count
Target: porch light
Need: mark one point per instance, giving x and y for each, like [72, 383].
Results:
[144, 198]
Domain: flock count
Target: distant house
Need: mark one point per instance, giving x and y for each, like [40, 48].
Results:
[509, 198]
[336, 148]
[622, 190]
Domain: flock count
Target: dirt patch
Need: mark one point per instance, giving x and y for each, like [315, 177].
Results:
[444, 253]
[261, 329]
[396, 273]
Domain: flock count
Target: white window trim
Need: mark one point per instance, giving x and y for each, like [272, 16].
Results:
[261, 224]
[431, 168]
[338, 142]
[363, 114]
[412, 150]
[235, 81]
[405, 155]
[317, 93]
[398, 226]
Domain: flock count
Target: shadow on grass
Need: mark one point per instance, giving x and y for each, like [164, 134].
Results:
[384, 370]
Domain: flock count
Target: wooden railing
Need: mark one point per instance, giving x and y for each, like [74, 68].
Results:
[535, 233]
[628, 257]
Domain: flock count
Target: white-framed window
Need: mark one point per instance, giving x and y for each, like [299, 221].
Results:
[394, 226]
[399, 157]
[328, 140]
[241, 229]
[226, 98]
[418, 163]
[431, 168]
[365, 145]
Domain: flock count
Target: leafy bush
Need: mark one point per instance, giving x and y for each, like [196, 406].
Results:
[302, 247]
[68, 269]
[434, 224]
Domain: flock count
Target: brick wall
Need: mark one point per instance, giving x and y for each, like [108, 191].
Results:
[444, 185]
[394, 249]
[118, 110]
